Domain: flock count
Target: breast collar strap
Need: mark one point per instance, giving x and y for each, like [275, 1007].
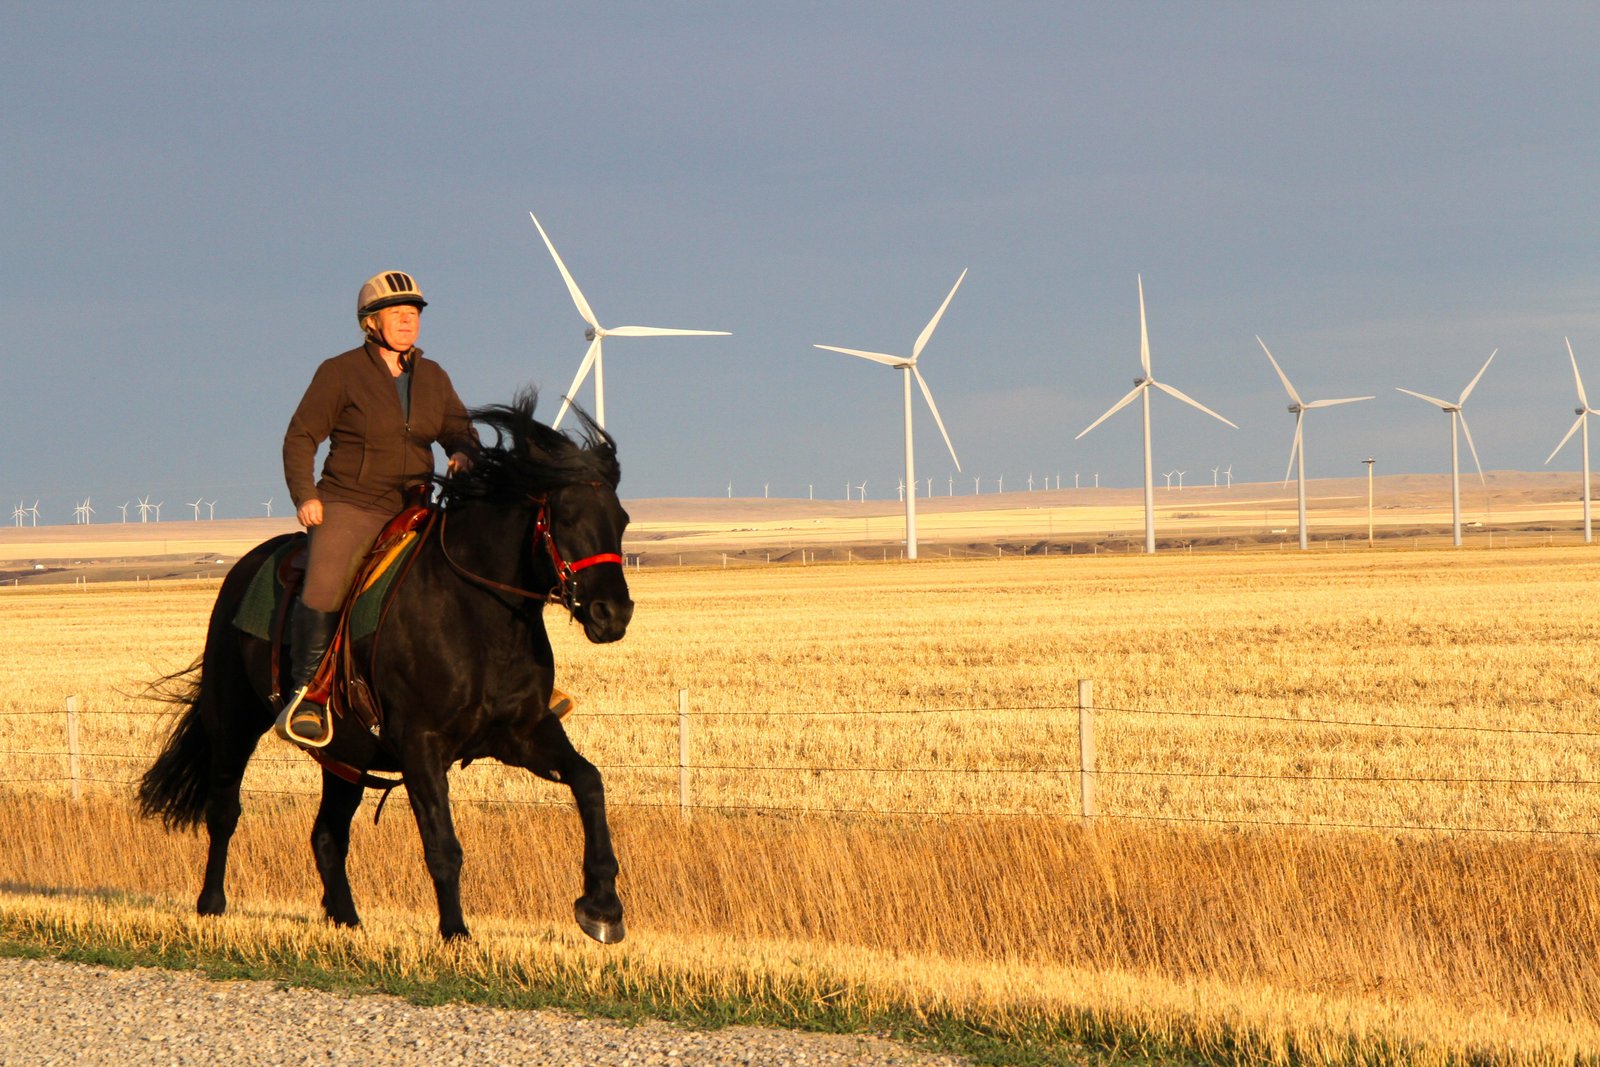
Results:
[566, 588]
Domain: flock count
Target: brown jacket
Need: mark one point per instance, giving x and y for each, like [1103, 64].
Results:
[374, 452]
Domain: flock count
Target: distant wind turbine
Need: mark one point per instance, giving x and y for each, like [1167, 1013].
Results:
[144, 509]
[1297, 451]
[1457, 415]
[196, 505]
[1584, 411]
[596, 333]
[1228, 474]
[124, 507]
[908, 368]
[34, 511]
[267, 503]
[211, 511]
[1141, 390]
[18, 513]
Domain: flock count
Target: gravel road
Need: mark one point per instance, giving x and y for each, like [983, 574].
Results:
[59, 1013]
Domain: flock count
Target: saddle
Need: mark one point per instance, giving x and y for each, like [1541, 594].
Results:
[338, 683]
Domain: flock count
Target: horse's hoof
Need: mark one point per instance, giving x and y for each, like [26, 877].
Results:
[607, 931]
[456, 937]
[211, 905]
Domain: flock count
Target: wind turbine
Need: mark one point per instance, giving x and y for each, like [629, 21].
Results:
[1141, 391]
[1297, 451]
[1228, 474]
[267, 503]
[196, 505]
[144, 509]
[34, 511]
[908, 370]
[597, 333]
[1584, 411]
[125, 510]
[18, 514]
[1456, 414]
[211, 511]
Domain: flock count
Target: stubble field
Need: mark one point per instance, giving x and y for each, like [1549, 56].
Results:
[1348, 801]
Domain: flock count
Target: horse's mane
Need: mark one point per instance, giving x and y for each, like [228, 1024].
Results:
[529, 457]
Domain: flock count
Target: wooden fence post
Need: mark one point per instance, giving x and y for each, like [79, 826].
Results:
[683, 753]
[1087, 778]
[72, 746]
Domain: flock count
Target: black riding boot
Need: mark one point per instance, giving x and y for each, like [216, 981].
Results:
[304, 721]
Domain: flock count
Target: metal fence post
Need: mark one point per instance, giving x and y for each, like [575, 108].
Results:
[683, 753]
[1086, 770]
[72, 746]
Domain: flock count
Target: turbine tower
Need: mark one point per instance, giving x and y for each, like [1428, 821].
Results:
[908, 370]
[1584, 411]
[1297, 451]
[596, 333]
[1141, 391]
[1457, 415]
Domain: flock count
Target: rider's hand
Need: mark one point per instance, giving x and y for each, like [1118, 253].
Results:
[310, 513]
[460, 463]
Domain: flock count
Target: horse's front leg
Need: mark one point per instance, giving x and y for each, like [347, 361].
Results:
[330, 845]
[599, 909]
[429, 791]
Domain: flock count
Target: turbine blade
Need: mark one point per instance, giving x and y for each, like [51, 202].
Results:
[1294, 449]
[572, 286]
[1341, 400]
[583, 372]
[1191, 401]
[1144, 333]
[876, 357]
[1445, 404]
[1473, 384]
[1472, 448]
[660, 331]
[1567, 438]
[927, 331]
[927, 394]
[1576, 376]
[1282, 377]
[1118, 406]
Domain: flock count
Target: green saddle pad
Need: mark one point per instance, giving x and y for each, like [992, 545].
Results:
[256, 612]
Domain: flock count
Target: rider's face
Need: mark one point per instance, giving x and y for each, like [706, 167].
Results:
[398, 326]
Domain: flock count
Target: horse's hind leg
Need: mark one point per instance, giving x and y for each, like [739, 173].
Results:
[330, 844]
[231, 750]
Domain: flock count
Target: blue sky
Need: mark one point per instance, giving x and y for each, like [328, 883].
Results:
[1384, 192]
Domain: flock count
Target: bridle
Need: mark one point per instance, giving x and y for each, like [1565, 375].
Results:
[565, 591]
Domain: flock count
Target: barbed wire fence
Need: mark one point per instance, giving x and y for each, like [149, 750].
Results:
[1083, 803]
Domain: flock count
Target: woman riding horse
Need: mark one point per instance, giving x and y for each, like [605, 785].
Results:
[381, 406]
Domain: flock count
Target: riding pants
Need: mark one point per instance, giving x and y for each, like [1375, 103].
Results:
[338, 546]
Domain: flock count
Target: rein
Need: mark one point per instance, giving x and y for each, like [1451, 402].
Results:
[565, 591]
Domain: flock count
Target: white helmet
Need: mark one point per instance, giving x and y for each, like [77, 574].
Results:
[387, 289]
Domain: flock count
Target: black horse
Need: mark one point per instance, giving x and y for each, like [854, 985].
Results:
[464, 668]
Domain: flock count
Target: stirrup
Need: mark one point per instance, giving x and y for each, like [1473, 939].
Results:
[285, 726]
[562, 704]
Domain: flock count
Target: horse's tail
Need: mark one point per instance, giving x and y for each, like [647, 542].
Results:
[175, 787]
